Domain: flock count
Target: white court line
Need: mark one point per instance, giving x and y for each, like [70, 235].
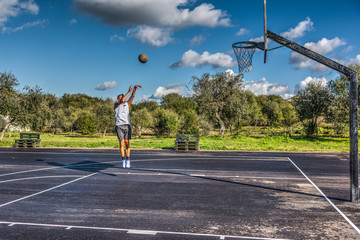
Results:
[27, 171]
[144, 232]
[214, 158]
[205, 175]
[166, 155]
[47, 190]
[145, 160]
[133, 231]
[331, 203]
[58, 167]
[31, 178]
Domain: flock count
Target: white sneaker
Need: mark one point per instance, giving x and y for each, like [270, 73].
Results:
[128, 163]
[124, 163]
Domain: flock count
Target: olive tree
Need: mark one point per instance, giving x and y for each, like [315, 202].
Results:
[311, 103]
[219, 97]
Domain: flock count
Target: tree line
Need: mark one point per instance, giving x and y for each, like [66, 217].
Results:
[218, 102]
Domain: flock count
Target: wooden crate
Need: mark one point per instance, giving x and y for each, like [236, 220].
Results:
[186, 142]
[28, 140]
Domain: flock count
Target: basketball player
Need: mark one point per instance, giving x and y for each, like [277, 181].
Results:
[122, 124]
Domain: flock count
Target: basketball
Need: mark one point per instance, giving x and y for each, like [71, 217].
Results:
[143, 58]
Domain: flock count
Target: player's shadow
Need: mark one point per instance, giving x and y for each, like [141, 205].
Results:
[238, 183]
[88, 166]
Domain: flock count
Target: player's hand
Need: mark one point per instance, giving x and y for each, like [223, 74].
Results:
[138, 86]
[130, 88]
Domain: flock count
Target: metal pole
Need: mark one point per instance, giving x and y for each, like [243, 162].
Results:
[265, 33]
[353, 95]
[354, 156]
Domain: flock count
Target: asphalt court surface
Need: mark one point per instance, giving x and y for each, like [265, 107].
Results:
[86, 194]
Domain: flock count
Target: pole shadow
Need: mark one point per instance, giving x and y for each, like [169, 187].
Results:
[88, 166]
[237, 183]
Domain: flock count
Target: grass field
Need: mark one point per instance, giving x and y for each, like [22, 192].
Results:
[244, 143]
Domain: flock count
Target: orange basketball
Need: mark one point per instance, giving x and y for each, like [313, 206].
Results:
[143, 58]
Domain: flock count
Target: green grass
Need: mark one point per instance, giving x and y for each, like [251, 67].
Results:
[244, 143]
[276, 143]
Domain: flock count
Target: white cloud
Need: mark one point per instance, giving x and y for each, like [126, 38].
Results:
[258, 39]
[73, 21]
[194, 59]
[230, 72]
[106, 85]
[299, 30]
[40, 23]
[263, 87]
[162, 91]
[116, 37]
[242, 31]
[355, 61]
[197, 40]
[153, 36]
[13, 8]
[323, 47]
[154, 13]
[171, 88]
[303, 84]
[292, 33]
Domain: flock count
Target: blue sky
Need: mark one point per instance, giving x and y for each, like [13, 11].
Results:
[91, 46]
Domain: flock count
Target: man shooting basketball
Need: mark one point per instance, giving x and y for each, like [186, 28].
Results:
[122, 124]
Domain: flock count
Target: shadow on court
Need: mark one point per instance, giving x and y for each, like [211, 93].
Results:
[88, 166]
[237, 183]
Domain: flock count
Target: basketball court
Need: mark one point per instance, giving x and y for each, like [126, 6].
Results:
[86, 194]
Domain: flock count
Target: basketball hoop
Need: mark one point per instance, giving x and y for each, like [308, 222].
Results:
[244, 52]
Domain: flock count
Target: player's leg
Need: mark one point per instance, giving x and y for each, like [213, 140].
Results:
[127, 145]
[120, 135]
[127, 151]
[122, 151]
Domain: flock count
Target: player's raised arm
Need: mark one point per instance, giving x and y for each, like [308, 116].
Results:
[133, 94]
[122, 98]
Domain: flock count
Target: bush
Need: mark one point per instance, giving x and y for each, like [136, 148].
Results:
[205, 126]
[166, 122]
[189, 123]
[141, 119]
[86, 124]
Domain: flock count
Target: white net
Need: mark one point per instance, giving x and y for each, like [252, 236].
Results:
[244, 52]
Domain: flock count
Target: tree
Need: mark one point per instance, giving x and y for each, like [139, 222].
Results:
[141, 119]
[104, 116]
[177, 103]
[76, 105]
[338, 112]
[271, 110]
[254, 114]
[189, 122]
[166, 122]
[205, 126]
[217, 96]
[10, 100]
[86, 124]
[151, 106]
[39, 108]
[289, 115]
[311, 103]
